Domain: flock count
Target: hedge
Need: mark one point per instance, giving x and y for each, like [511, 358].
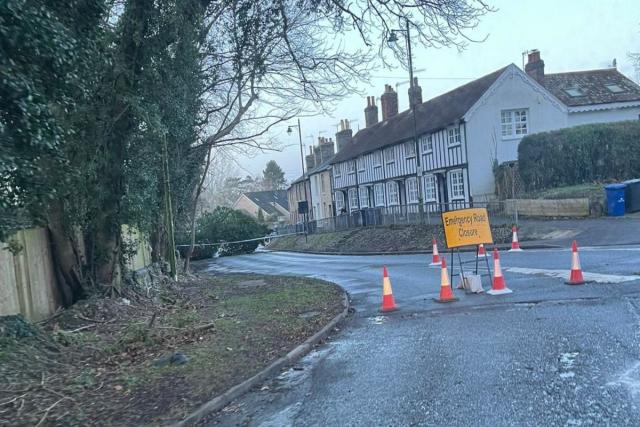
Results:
[581, 154]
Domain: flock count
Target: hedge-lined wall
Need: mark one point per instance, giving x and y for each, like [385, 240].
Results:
[588, 153]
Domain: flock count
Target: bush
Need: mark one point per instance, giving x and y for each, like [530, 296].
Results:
[226, 225]
[582, 154]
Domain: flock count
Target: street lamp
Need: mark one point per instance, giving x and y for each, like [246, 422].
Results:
[393, 38]
[306, 196]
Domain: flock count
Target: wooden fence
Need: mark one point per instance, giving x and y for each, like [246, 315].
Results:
[27, 279]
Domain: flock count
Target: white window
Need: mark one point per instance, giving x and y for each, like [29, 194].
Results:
[339, 202]
[351, 167]
[392, 193]
[409, 149]
[412, 190]
[430, 188]
[377, 159]
[514, 123]
[389, 155]
[379, 194]
[363, 192]
[427, 144]
[614, 88]
[360, 164]
[353, 199]
[336, 171]
[454, 136]
[457, 184]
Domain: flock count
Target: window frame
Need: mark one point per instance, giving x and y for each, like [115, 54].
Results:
[411, 185]
[393, 155]
[429, 182]
[376, 187]
[377, 160]
[353, 191]
[411, 146]
[619, 89]
[513, 125]
[454, 134]
[457, 185]
[391, 195]
[363, 191]
[360, 164]
[337, 173]
[351, 167]
[426, 144]
[339, 201]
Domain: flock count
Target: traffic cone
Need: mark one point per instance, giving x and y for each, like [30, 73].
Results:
[435, 260]
[482, 251]
[515, 245]
[446, 293]
[498, 287]
[575, 277]
[388, 303]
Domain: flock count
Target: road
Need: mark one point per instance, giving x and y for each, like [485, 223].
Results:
[547, 354]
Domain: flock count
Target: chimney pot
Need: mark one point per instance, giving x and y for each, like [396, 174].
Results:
[389, 103]
[344, 135]
[415, 94]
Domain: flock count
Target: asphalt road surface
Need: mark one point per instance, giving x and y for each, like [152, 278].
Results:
[547, 354]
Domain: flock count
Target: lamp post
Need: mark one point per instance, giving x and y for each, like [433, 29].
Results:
[393, 38]
[306, 196]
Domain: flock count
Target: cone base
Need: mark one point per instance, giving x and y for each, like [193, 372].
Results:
[388, 309]
[484, 255]
[575, 283]
[515, 250]
[435, 264]
[499, 291]
[442, 301]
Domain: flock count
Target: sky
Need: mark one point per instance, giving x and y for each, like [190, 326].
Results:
[571, 35]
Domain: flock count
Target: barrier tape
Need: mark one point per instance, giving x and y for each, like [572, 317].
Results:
[240, 241]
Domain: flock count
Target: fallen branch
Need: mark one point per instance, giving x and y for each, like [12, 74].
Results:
[46, 413]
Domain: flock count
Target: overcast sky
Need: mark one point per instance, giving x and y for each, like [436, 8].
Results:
[572, 35]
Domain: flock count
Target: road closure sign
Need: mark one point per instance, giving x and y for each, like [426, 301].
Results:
[466, 227]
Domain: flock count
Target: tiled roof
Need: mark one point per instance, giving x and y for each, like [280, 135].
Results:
[432, 115]
[591, 87]
[266, 199]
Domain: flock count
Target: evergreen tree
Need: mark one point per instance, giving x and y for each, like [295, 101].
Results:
[273, 176]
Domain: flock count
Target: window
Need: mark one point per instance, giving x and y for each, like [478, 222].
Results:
[353, 199]
[377, 159]
[336, 171]
[363, 192]
[360, 164]
[514, 123]
[409, 149]
[392, 193]
[389, 155]
[454, 136]
[378, 190]
[457, 184]
[430, 188]
[351, 167]
[339, 202]
[613, 88]
[412, 190]
[427, 144]
[574, 92]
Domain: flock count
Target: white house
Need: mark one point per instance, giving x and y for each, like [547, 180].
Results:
[462, 133]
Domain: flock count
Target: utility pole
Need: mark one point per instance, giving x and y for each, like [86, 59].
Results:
[304, 184]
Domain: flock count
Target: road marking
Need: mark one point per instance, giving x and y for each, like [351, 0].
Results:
[564, 274]
[630, 379]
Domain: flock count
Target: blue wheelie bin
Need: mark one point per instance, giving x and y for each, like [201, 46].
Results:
[615, 199]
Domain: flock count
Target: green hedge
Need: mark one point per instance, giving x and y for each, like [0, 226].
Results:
[588, 153]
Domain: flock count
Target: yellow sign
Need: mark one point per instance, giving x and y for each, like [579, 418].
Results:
[466, 227]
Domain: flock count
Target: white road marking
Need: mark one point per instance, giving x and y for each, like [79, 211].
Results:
[629, 379]
[564, 274]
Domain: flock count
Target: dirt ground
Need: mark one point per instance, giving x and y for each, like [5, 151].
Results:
[377, 239]
[152, 357]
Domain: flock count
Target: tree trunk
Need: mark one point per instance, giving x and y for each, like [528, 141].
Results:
[194, 210]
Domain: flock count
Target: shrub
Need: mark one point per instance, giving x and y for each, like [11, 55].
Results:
[582, 154]
[226, 225]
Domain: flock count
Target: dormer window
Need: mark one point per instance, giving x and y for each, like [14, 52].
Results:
[574, 92]
[614, 88]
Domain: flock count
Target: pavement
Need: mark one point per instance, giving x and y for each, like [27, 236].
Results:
[547, 354]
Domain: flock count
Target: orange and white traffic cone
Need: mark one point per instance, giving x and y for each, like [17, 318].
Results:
[388, 302]
[446, 293]
[482, 251]
[498, 286]
[515, 244]
[435, 260]
[575, 277]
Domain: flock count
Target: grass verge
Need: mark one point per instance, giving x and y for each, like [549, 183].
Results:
[118, 361]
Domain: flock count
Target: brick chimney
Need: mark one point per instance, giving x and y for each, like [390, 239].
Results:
[310, 160]
[344, 135]
[389, 103]
[535, 66]
[371, 112]
[325, 149]
[415, 94]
